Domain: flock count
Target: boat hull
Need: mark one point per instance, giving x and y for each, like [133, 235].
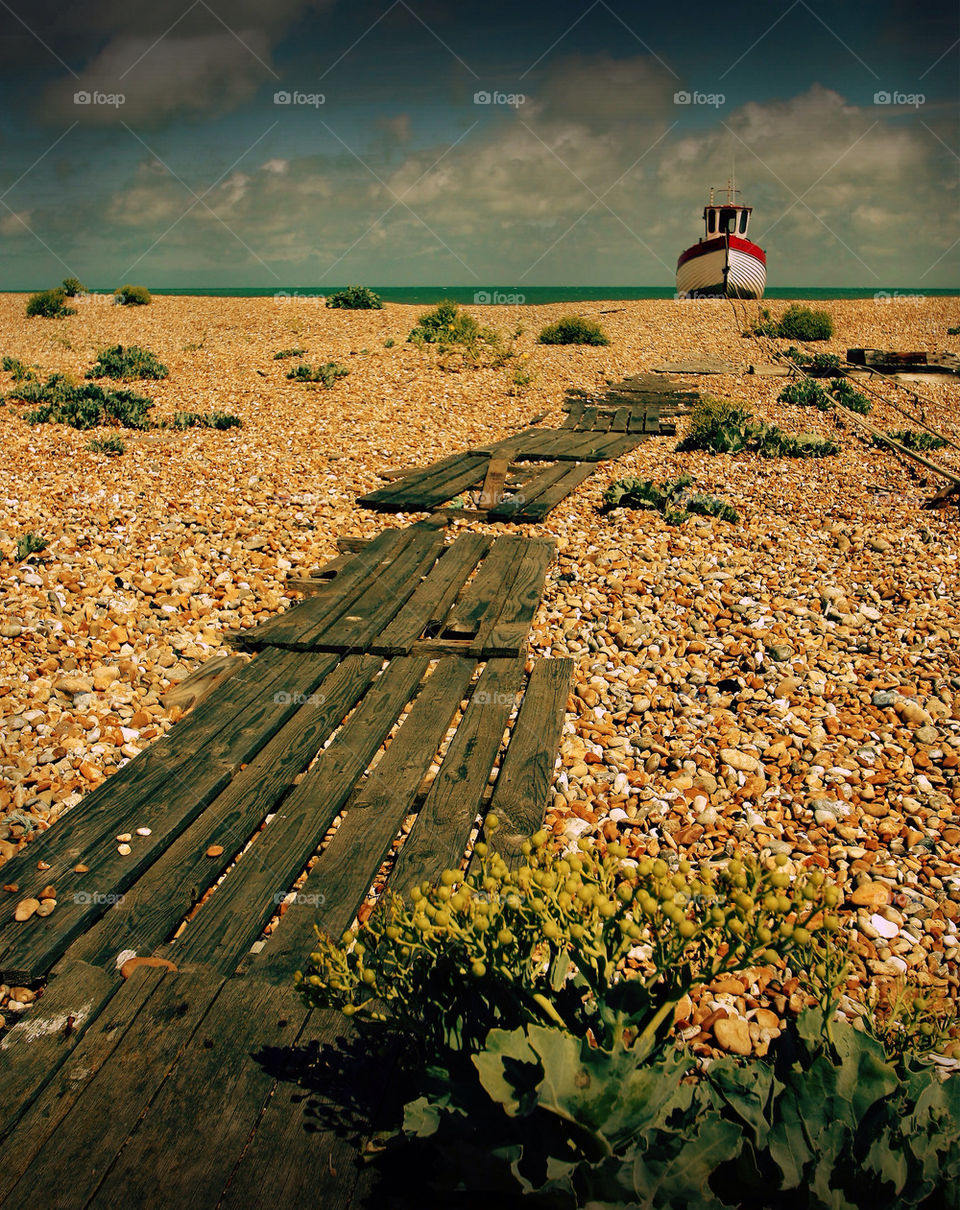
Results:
[726, 267]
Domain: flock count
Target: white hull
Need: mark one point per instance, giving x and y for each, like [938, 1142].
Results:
[722, 273]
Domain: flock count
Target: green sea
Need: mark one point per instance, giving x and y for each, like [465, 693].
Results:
[539, 295]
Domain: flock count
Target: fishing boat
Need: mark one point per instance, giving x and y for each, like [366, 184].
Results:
[723, 263]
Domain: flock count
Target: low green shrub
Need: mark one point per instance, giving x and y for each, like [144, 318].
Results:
[847, 394]
[50, 304]
[20, 372]
[284, 353]
[107, 445]
[721, 427]
[356, 298]
[953, 331]
[86, 406]
[913, 440]
[806, 393]
[573, 330]
[459, 337]
[672, 498]
[325, 375]
[796, 323]
[202, 420]
[29, 544]
[127, 363]
[132, 296]
[72, 286]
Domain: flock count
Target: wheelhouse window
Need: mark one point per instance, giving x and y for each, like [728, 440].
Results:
[743, 222]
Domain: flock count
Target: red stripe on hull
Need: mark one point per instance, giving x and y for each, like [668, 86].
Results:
[711, 245]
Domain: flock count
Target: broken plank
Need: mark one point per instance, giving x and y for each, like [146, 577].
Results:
[492, 490]
[551, 496]
[485, 592]
[429, 605]
[508, 629]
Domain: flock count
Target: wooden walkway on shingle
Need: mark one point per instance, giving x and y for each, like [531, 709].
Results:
[506, 478]
[355, 750]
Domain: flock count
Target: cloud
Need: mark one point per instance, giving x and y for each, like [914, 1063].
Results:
[13, 223]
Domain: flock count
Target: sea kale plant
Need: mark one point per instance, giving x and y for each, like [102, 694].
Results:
[532, 1009]
[127, 363]
[671, 498]
[721, 427]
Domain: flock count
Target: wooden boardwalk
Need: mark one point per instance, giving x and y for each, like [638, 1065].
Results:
[355, 750]
[506, 477]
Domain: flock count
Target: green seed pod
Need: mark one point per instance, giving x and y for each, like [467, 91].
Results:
[540, 838]
[505, 936]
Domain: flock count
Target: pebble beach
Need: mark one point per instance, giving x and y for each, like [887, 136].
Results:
[788, 684]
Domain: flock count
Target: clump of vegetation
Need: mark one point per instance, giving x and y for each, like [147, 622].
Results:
[389, 343]
[132, 296]
[849, 396]
[107, 445]
[325, 375]
[534, 1009]
[50, 304]
[29, 544]
[20, 372]
[86, 406]
[796, 323]
[573, 330]
[356, 298]
[72, 286]
[913, 440]
[202, 420]
[672, 498]
[721, 427]
[819, 365]
[521, 378]
[953, 331]
[455, 331]
[284, 353]
[127, 363]
[807, 394]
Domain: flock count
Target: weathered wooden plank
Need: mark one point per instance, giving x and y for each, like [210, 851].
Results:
[71, 1132]
[466, 474]
[39, 1044]
[349, 545]
[523, 784]
[232, 918]
[520, 503]
[167, 808]
[492, 490]
[487, 588]
[409, 481]
[551, 496]
[203, 680]
[621, 421]
[311, 615]
[574, 414]
[371, 612]
[153, 907]
[507, 629]
[442, 828]
[347, 867]
[651, 419]
[426, 609]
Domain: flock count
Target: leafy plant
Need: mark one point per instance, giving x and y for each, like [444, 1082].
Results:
[132, 296]
[389, 343]
[796, 323]
[51, 304]
[326, 375]
[456, 332]
[914, 440]
[671, 498]
[573, 330]
[72, 286]
[203, 420]
[953, 331]
[807, 394]
[721, 427]
[107, 445]
[29, 544]
[127, 363]
[20, 372]
[356, 298]
[283, 353]
[82, 407]
[849, 396]
[521, 378]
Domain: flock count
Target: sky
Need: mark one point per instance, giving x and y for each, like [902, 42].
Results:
[409, 142]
